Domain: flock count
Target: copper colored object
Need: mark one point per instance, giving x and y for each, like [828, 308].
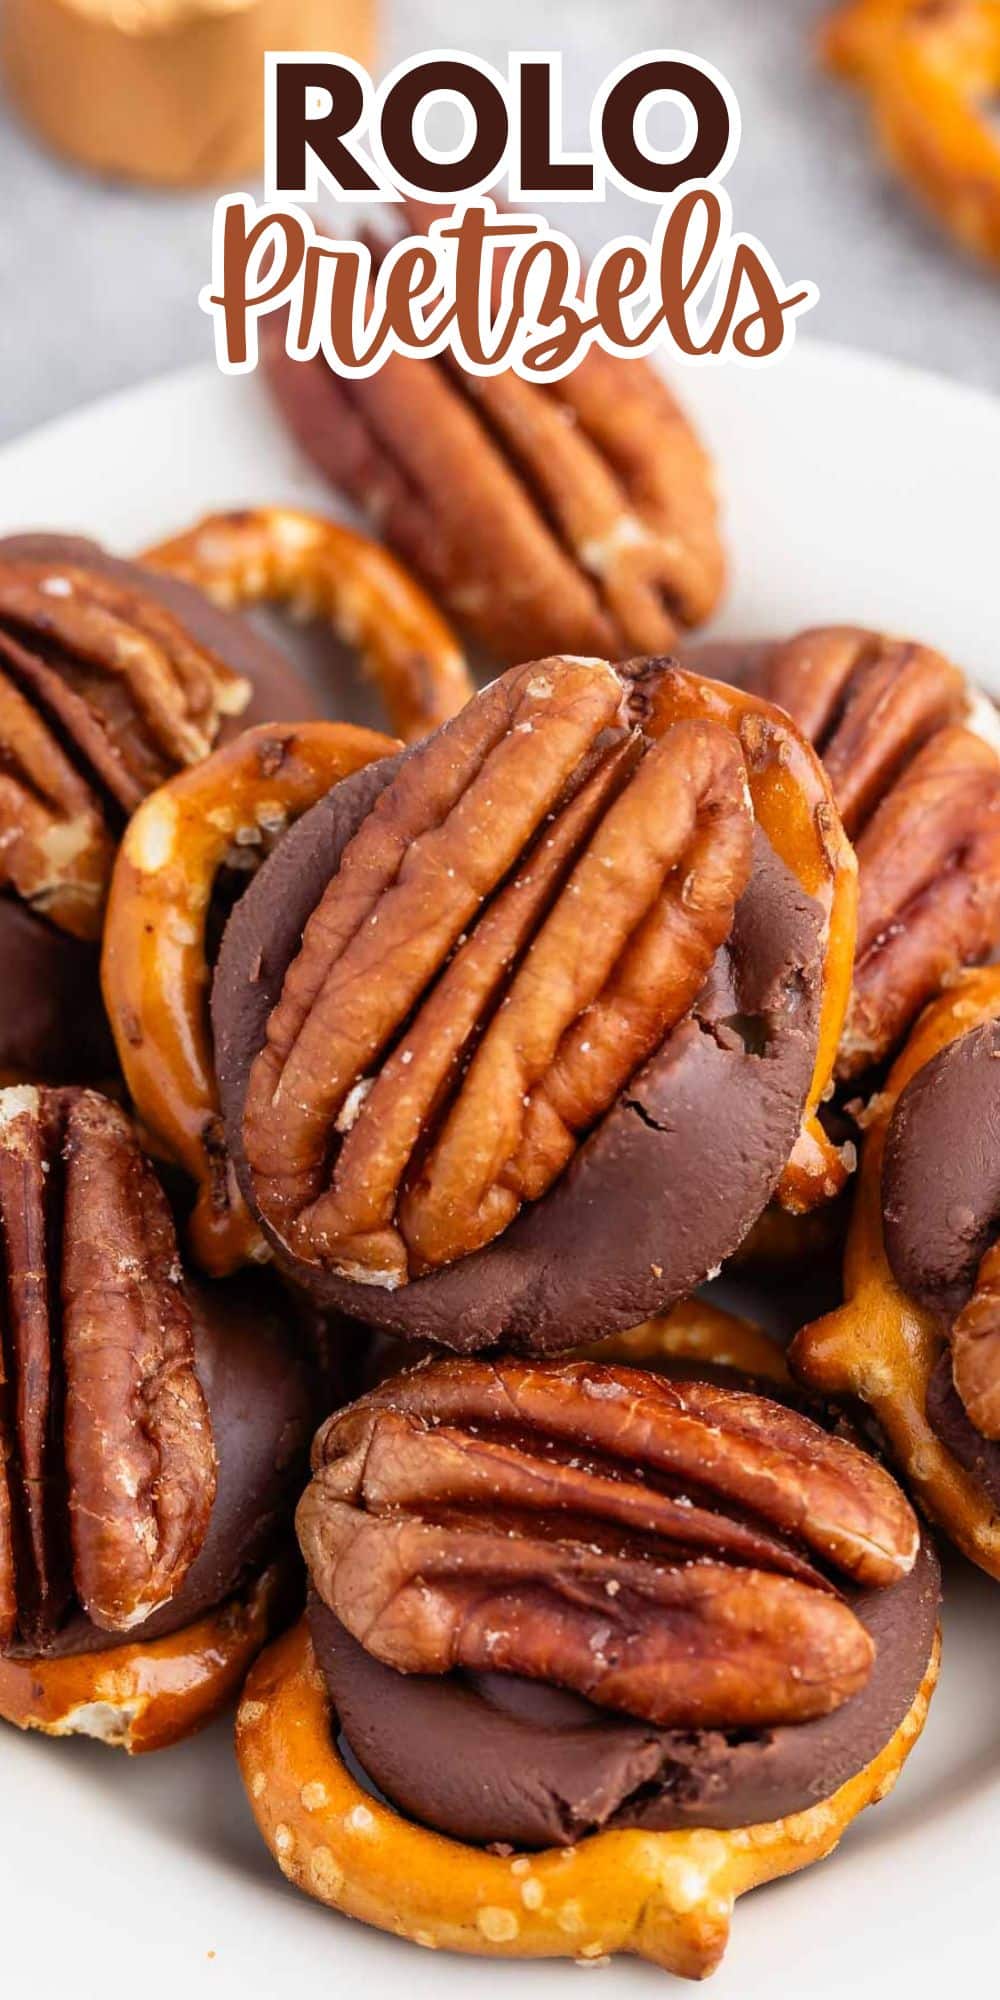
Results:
[318, 568]
[103, 693]
[668, 820]
[577, 516]
[882, 1346]
[647, 859]
[153, 1432]
[539, 1519]
[930, 70]
[169, 92]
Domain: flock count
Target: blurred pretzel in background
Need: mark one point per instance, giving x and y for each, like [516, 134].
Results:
[930, 69]
[283, 555]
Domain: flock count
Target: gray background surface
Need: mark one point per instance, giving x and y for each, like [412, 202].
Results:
[99, 283]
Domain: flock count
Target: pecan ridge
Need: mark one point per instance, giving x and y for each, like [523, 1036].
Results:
[55, 848]
[107, 1467]
[975, 1348]
[654, 1546]
[579, 513]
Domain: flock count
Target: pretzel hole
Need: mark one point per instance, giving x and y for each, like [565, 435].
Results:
[326, 659]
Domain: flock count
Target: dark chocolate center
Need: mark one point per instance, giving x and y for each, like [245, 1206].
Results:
[941, 1210]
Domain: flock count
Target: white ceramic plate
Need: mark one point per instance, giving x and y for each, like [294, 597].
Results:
[855, 490]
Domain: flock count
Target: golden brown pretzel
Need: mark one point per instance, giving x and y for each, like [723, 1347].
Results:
[695, 1331]
[929, 68]
[154, 967]
[880, 1345]
[667, 1897]
[283, 555]
[147, 1694]
[545, 1072]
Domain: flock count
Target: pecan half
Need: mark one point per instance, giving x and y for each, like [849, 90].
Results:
[103, 694]
[919, 793]
[577, 515]
[107, 1468]
[526, 912]
[651, 1545]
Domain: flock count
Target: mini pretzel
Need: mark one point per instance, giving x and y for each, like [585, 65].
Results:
[793, 804]
[283, 555]
[151, 1693]
[666, 1897]
[929, 72]
[880, 1345]
[154, 968]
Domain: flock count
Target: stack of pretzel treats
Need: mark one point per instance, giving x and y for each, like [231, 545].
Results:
[378, 1103]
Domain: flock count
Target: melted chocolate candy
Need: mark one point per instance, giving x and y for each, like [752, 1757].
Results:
[262, 1401]
[490, 1757]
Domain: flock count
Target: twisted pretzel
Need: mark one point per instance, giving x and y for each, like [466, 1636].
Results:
[282, 555]
[667, 1897]
[154, 967]
[929, 68]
